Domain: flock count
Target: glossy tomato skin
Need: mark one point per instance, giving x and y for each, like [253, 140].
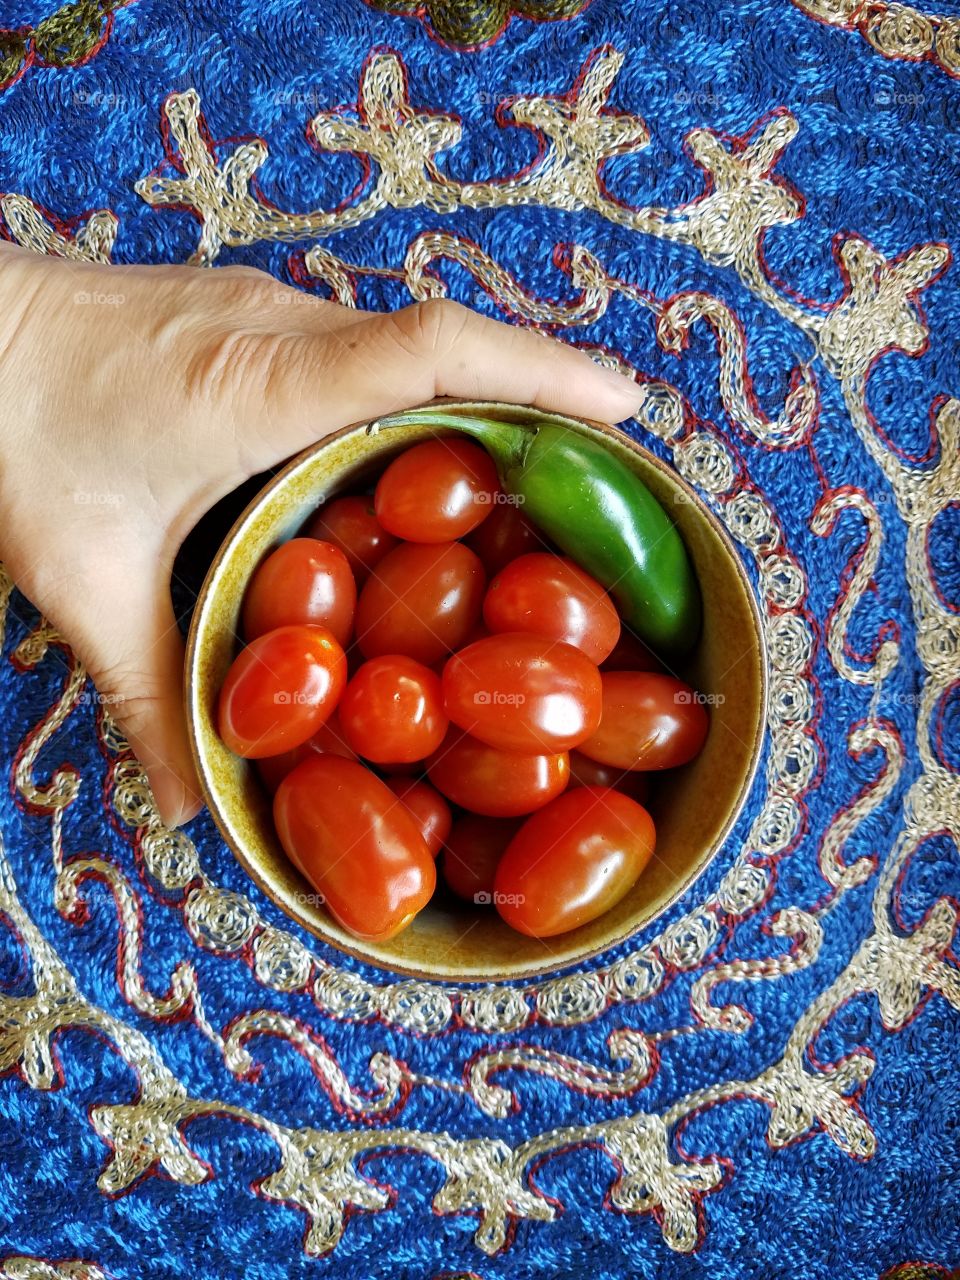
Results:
[648, 721]
[422, 600]
[428, 809]
[392, 711]
[437, 491]
[471, 853]
[497, 784]
[550, 596]
[302, 581]
[520, 692]
[279, 690]
[328, 738]
[351, 524]
[503, 536]
[585, 772]
[573, 861]
[361, 850]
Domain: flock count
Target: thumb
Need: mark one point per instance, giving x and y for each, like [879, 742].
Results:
[135, 659]
[349, 368]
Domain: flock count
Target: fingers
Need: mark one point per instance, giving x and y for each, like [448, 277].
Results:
[134, 655]
[311, 384]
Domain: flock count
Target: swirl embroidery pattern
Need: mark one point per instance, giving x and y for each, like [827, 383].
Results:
[897, 31]
[899, 966]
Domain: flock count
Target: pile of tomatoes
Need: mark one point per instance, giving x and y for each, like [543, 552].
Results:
[423, 675]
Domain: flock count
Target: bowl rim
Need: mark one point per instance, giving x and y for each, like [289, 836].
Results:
[190, 693]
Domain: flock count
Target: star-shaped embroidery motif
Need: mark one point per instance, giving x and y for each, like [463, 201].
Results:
[317, 1176]
[143, 1134]
[88, 240]
[400, 139]
[905, 965]
[651, 1182]
[801, 1101]
[879, 311]
[220, 194]
[483, 1176]
[582, 133]
[743, 199]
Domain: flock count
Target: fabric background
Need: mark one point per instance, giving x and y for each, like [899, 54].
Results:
[753, 206]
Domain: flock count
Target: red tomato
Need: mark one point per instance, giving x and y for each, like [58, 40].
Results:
[503, 536]
[572, 861]
[351, 524]
[649, 721]
[428, 809]
[363, 853]
[280, 690]
[523, 693]
[437, 491]
[328, 738]
[585, 772]
[421, 601]
[631, 654]
[551, 596]
[495, 783]
[302, 581]
[392, 711]
[471, 853]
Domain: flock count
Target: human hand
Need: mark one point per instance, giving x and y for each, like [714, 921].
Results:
[125, 419]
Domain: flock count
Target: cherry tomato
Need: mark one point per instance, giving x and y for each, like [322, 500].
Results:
[585, 772]
[572, 861]
[631, 654]
[421, 601]
[551, 596]
[503, 536]
[471, 853]
[392, 710]
[648, 721]
[523, 693]
[351, 524]
[343, 829]
[302, 581]
[498, 784]
[279, 690]
[328, 738]
[437, 491]
[428, 809]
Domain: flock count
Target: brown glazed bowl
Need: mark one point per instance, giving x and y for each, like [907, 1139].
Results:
[694, 807]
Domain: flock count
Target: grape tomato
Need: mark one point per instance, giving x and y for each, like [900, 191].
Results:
[302, 581]
[572, 861]
[279, 690]
[342, 827]
[437, 491]
[648, 721]
[520, 692]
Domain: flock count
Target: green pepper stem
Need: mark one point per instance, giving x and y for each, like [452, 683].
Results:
[506, 442]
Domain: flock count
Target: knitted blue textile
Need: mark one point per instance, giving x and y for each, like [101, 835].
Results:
[752, 205]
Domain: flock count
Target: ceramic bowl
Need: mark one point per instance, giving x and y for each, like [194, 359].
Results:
[694, 807]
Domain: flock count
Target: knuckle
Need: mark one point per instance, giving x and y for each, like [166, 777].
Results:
[243, 287]
[222, 363]
[135, 712]
[431, 326]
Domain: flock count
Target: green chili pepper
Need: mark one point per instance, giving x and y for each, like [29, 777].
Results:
[596, 511]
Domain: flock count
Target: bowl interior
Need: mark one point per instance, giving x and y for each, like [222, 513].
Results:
[694, 806]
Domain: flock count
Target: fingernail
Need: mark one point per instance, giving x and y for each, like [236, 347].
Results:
[623, 384]
[174, 802]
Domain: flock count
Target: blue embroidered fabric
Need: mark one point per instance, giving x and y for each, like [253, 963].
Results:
[752, 206]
